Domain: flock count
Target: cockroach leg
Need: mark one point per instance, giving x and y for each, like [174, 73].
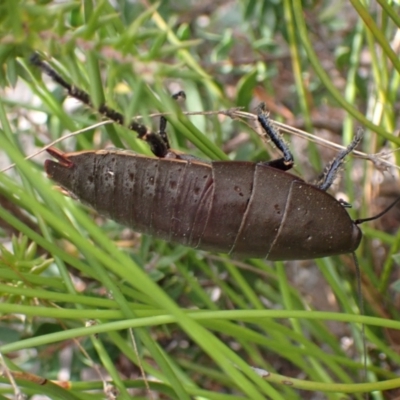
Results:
[287, 161]
[60, 157]
[159, 146]
[53, 74]
[334, 167]
[163, 121]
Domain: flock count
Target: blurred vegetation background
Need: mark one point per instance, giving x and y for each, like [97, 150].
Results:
[86, 301]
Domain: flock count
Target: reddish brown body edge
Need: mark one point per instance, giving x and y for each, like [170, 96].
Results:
[241, 208]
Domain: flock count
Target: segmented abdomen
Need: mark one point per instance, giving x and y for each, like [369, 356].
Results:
[241, 208]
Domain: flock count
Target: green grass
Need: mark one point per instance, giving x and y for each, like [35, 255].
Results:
[168, 321]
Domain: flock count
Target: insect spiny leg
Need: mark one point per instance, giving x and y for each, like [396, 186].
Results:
[112, 114]
[158, 145]
[334, 167]
[163, 121]
[287, 161]
[73, 91]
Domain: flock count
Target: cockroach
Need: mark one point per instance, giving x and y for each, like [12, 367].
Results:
[241, 208]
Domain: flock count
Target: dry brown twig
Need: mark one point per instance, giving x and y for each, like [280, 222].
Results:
[235, 113]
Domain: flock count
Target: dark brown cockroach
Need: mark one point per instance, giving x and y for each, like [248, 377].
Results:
[241, 208]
